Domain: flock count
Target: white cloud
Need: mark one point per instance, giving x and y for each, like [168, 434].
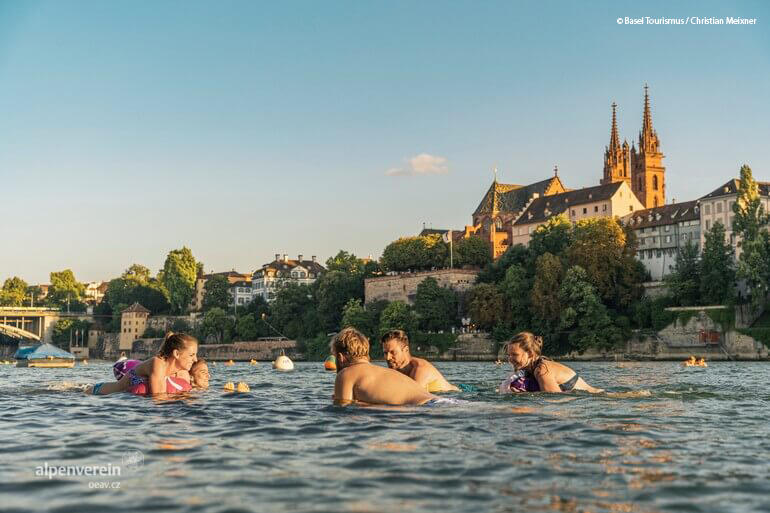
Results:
[422, 164]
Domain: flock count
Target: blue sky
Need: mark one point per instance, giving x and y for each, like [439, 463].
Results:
[245, 129]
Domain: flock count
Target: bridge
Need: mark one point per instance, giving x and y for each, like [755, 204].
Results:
[30, 323]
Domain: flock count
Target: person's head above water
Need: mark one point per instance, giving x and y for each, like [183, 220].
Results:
[395, 347]
[524, 349]
[181, 348]
[348, 345]
[199, 372]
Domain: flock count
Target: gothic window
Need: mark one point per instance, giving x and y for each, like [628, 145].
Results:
[655, 183]
[498, 224]
[640, 183]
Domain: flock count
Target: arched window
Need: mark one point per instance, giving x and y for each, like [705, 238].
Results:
[656, 201]
[640, 183]
[655, 183]
[498, 224]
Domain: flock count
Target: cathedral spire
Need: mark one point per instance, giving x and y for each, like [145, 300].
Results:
[647, 122]
[614, 139]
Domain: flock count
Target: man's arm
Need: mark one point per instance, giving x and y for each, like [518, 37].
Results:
[343, 389]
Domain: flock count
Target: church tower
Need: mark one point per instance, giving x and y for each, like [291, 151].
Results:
[616, 157]
[647, 171]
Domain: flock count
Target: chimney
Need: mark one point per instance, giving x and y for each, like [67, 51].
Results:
[285, 257]
[312, 258]
[277, 257]
[299, 257]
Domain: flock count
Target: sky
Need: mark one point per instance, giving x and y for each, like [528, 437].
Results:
[242, 129]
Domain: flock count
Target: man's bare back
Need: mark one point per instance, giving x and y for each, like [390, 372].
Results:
[364, 383]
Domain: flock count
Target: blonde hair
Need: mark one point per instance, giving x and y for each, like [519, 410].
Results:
[350, 342]
[529, 343]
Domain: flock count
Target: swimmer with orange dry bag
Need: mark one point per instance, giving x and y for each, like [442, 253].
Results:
[174, 369]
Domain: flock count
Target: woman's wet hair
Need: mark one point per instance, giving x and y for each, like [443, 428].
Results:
[529, 343]
[175, 341]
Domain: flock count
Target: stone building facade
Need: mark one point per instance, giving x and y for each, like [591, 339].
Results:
[133, 322]
[662, 232]
[403, 287]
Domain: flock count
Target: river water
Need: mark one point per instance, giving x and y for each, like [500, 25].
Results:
[666, 438]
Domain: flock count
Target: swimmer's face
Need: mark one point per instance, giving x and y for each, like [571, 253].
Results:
[517, 356]
[201, 375]
[187, 356]
[396, 354]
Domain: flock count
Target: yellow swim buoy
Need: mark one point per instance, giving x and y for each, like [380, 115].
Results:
[253, 362]
[229, 387]
[330, 363]
[241, 387]
[229, 363]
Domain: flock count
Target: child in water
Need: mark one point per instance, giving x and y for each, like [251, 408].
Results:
[176, 356]
[540, 373]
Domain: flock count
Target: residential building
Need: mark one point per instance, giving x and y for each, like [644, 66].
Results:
[661, 232]
[718, 206]
[241, 293]
[283, 270]
[95, 291]
[614, 199]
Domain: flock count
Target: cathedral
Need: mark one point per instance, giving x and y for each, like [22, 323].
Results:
[633, 180]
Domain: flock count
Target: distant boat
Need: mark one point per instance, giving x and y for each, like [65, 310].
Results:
[44, 356]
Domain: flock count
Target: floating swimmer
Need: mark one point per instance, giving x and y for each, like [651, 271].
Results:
[498, 362]
[84, 362]
[229, 363]
[330, 363]
[253, 362]
[283, 363]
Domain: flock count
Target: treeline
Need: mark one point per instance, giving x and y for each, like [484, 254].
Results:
[577, 285]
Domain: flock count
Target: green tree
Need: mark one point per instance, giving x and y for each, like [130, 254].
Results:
[355, 315]
[684, 280]
[178, 277]
[486, 305]
[584, 315]
[246, 327]
[599, 247]
[293, 312]
[750, 219]
[217, 324]
[345, 262]
[66, 292]
[66, 330]
[415, 254]
[516, 288]
[472, 251]
[14, 292]
[216, 293]
[717, 277]
[545, 290]
[137, 272]
[554, 237]
[397, 316]
[136, 285]
[333, 290]
[517, 254]
[436, 307]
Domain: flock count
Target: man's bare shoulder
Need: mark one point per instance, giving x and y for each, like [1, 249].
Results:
[422, 363]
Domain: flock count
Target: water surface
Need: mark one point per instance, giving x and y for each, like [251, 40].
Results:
[667, 438]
